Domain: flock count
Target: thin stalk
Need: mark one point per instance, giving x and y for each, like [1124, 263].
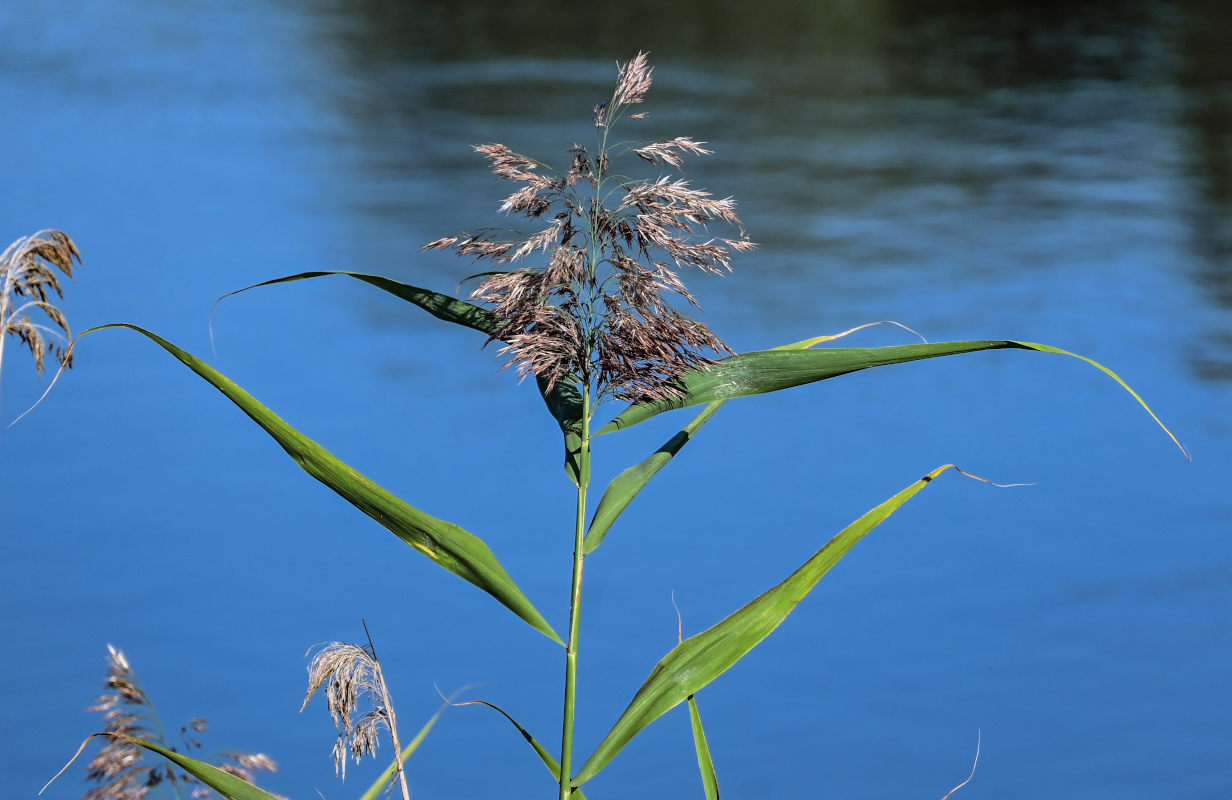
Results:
[389, 711]
[575, 603]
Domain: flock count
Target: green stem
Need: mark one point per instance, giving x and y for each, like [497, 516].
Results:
[575, 603]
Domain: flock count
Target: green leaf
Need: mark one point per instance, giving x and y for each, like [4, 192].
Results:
[564, 401]
[710, 781]
[700, 659]
[381, 783]
[222, 782]
[625, 486]
[764, 371]
[546, 757]
[439, 305]
[455, 549]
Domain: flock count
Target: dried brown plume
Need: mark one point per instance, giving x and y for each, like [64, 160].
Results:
[358, 700]
[596, 309]
[29, 278]
[120, 768]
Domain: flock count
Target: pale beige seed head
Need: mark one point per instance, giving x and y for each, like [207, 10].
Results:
[350, 675]
[29, 282]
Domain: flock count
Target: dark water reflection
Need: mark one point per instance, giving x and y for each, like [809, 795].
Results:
[939, 139]
[1051, 171]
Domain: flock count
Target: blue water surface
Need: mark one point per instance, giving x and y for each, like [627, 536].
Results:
[1059, 173]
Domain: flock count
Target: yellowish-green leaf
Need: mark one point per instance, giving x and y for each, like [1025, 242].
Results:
[700, 659]
[765, 371]
[455, 549]
[625, 486]
[710, 781]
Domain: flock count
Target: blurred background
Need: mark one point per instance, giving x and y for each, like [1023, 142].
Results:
[1048, 171]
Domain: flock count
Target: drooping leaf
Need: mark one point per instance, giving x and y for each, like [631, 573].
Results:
[226, 784]
[439, 305]
[710, 781]
[455, 549]
[700, 659]
[545, 756]
[564, 401]
[764, 371]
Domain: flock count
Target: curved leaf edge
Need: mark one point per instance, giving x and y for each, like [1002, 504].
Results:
[626, 486]
[703, 657]
[563, 400]
[545, 756]
[224, 783]
[709, 384]
[450, 546]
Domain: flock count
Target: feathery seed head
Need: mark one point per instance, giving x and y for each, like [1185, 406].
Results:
[119, 767]
[28, 279]
[350, 674]
[596, 311]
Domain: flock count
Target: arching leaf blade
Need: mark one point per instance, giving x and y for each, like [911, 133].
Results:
[226, 784]
[700, 659]
[765, 371]
[455, 549]
[1043, 348]
[545, 756]
[625, 486]
[563, 400]
[441, 306]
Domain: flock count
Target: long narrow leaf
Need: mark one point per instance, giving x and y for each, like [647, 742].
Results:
[224, 783]
[439, 305]
[710, 781]
[625, 486]
[564, 402]
[700, 659]
[764, 371]
[455, 549]
[545, 756]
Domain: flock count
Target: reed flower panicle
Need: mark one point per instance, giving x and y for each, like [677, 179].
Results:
[120, 768]
[596, 311]
[352, 677]
[29, 277]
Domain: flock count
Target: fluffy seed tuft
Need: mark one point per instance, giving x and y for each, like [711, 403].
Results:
[28, 281]
[595, 311]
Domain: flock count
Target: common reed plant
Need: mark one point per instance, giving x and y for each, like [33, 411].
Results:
[590, 304]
